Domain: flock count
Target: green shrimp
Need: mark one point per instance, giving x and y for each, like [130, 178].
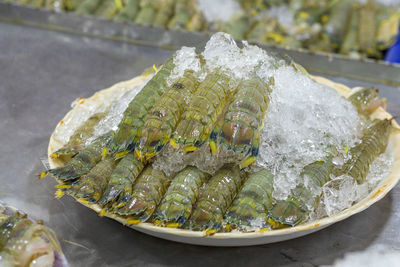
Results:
[132, 121]
[196, 22]
[373, 143]
[294, 209]
[367, 100]
[119, 188]
[333, 28]
[37, 3]
[84, 161]
[183, 12]
[165, 13]
[88, 7]
[214, 200]
[129, 11]
[350, 40]
[367, 30]
[178, 202]
[147, 193]
[77, 140]
[202, 112]
[164, 116]
[252, 202]
[72, 5]
[107, 9]
[243, 119]
[147, 12]
[90, 186]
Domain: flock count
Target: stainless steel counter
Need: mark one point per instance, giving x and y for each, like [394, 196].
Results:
[41, 72]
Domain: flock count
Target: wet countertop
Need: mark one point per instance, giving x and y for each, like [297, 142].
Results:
[42, 72]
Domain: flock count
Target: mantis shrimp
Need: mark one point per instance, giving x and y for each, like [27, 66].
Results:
[183, 11]
[77, 140]
[133, 118]
[243, 119]
[294, 210]
[163, 117]
[129, 11]
[120, 184]
[178, 202]
[147, 12]
[88, 6]
[367, 100]
[107, 9]
[84, 161]
[253, 201]
[214, 200]
[165, 13]
[373, 143]
[202, 112]
[90, 186]
[146, 194]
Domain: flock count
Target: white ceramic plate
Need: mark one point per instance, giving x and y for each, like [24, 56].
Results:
[238, 238]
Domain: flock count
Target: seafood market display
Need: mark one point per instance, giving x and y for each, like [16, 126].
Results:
[228, 139]
[360, 28]
[24, 242]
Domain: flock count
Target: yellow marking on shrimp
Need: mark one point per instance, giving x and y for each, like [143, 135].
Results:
[102, 213]
[214, 148]
[150, 155]
[262, 230]
[119, 4]
[138, 154]
[158, 223]
[276, 37]
[42, 175]
[121, 154]
[303, 15]
[173, 143]
[190, 148]
[275, 224]
[210, 232]
[155, 68]
[132, 221]
[63, 186]
[120, 205]
[54, 155]
[104, 153]
[59, 193]
[246, 162]
[172, 225]
[346, 149]
[61, 122]
[81, 100]
[84, 201]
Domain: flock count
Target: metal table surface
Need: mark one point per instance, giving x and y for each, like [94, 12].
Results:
[41, 72]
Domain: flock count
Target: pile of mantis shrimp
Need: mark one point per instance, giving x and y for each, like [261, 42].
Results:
[354, 28]
[115, 171]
